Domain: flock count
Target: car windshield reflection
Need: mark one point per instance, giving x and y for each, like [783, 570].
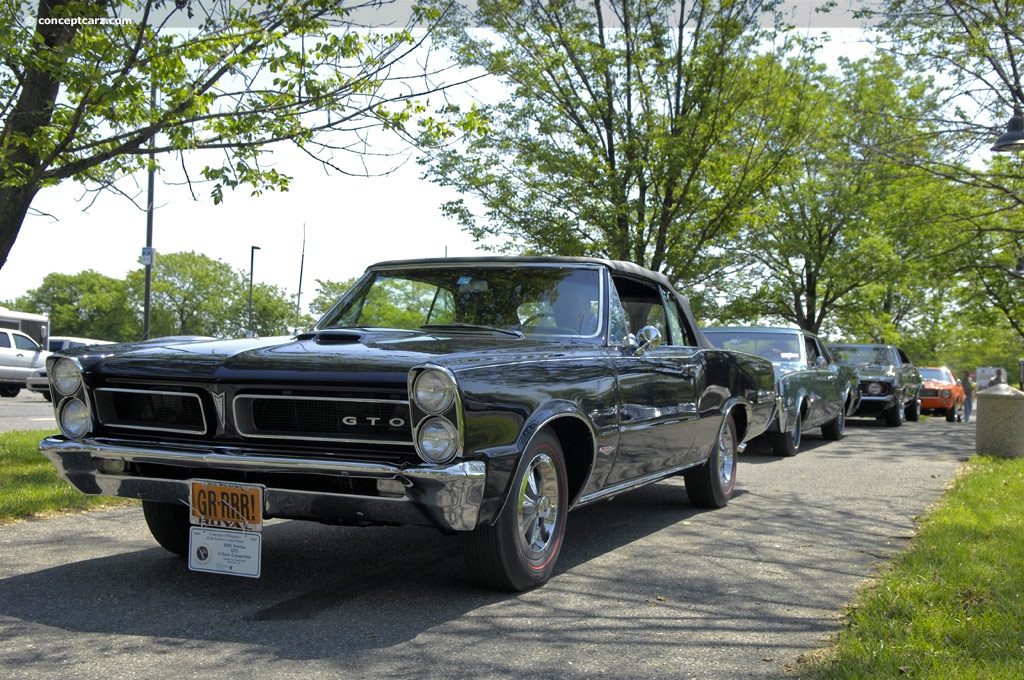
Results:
[520, 300]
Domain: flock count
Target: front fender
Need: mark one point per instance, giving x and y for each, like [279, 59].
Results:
[580, 445]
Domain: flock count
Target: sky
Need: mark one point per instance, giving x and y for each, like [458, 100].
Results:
[347, 222]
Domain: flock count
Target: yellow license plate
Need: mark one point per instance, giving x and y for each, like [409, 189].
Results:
[226, 505]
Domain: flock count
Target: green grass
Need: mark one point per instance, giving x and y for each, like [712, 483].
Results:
[952, 606]
[30, 486]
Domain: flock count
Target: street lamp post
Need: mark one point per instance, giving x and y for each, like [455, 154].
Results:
[252, 262]
[1013, 138]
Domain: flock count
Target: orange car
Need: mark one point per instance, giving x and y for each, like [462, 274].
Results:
[942, 393]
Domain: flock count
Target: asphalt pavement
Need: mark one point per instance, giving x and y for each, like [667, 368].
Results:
[27, 411]
[646, 586]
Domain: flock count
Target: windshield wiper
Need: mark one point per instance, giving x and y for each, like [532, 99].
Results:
[470, 327]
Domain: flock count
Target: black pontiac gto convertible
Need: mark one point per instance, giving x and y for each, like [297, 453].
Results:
[484, 396]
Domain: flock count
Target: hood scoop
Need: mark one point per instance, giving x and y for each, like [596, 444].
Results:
[334, 337]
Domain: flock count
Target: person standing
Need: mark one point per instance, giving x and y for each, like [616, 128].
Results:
[998, 380]
[968, 386]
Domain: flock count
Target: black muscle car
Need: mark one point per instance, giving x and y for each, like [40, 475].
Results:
[890, 386]
[484, 396]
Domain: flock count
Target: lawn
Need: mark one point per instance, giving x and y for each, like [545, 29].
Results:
[952, 605]
[30, 486]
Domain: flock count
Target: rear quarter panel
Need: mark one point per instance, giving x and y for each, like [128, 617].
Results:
[741, 381]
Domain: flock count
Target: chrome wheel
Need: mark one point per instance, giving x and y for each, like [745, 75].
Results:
[835, 428]
[538, 507]
[711, 485]
[519, 549]
[726, 457]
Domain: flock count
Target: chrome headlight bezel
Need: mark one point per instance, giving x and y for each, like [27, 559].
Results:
[71, 407]
[875, 389]
[436, 414]
[66, 377]
[74, 418]
[437, 440]
[433, 391]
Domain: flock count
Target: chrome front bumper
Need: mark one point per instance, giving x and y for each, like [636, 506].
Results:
[447, 497]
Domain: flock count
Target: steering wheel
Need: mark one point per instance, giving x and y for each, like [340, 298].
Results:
[540, 316]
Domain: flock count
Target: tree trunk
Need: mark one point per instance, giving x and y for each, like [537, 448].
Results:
[14, 205]
[21, 166]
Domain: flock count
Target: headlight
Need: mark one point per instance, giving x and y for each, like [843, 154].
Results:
[66, 377]
[437, 440]
[74, 418]
[946, 394]
[874, 389]
[433, 391]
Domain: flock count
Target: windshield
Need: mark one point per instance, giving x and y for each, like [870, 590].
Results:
[776, 347]
[862, 356]
[936, 375]
[520, 299]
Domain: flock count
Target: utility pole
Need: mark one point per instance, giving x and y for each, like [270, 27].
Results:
[147, 252]
[252, 262]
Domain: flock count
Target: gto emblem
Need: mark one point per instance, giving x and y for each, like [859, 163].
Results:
[372, 421]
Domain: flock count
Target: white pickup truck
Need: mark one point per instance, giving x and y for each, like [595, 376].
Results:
[20, 356]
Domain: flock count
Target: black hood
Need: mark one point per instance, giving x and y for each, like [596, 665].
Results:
[366, 356]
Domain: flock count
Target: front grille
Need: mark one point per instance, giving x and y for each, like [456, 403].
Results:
[350, 420]
[162, 411]
[927, 392]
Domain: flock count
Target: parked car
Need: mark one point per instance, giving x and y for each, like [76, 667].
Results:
[38, 381]
[57, 343]
[814, 390]
[941, 393]
[890, 385]
[486, 397]
[20, 355]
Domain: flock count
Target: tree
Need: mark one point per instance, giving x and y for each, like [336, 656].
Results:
[87, 304]
[273, 312]
[193, 294]
[633, 129]
[95, 91]
[328, 292]
[977, 50]
[848, 236]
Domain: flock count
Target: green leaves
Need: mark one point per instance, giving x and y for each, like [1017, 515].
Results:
[191, 294]
[89, 101]
[626, 132]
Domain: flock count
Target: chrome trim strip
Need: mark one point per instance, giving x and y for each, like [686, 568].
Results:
[149, 428]
[214, 459]
[633, 483]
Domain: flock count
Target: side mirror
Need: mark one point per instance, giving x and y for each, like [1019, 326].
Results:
[820, 362]
[647, 339]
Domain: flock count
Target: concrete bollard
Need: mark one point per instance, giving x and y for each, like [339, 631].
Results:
[1000, 422]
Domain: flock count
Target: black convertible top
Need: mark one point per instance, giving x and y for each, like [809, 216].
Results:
[614, 265]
